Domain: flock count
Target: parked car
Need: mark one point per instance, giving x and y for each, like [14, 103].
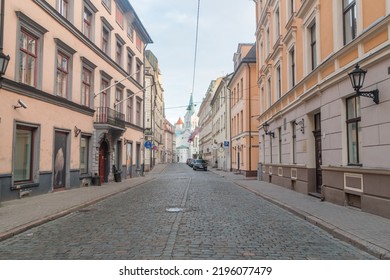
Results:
[199, 164]
[191, 164]
[189, 161]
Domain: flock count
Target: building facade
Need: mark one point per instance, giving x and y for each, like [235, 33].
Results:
[244, 108]
[220, 108]
[154, 111]
[72, 96]
[169, 143]
[208, 148]
[317, 135]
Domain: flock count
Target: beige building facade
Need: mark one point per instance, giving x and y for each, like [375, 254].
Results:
[317, 135]
[72, 96]
[244, 98]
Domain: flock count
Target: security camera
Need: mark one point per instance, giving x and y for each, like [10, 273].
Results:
[20, 104]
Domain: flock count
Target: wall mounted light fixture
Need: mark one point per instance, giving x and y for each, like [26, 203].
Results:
[357, 80]
[301, 123]
[266, 128]
[76, 131]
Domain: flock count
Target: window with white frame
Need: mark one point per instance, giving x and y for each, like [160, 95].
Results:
[119, 98]
[138, 112]
[63, 8]
[129, 109]
[105, 43]
[269, 92]
[63, 75]
[130, 30]
[290, 8]
[277, 23]
[118, 52]
[349, 20]
[119, 16]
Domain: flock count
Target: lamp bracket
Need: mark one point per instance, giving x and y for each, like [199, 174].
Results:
[374, 95]
[272, 134]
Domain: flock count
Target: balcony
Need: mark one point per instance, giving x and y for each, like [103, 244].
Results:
[110, 117]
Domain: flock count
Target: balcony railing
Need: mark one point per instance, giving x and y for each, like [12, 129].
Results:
[105, 115]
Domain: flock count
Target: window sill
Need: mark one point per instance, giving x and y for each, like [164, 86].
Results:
[24, 185]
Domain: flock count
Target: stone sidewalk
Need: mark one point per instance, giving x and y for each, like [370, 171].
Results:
[22, 214]
[368, 232]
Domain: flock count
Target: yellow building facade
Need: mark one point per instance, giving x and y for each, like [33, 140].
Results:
[317, 135]
[243, 110]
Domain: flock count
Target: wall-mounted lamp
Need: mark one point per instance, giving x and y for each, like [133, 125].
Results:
[76, 131]
[357, 79]
[266, 127]
[4, 59]
[21, 104]
[301, 123]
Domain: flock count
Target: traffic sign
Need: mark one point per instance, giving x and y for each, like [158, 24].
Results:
[148, 144]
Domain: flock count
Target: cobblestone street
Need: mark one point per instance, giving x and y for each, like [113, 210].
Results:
[182, 214]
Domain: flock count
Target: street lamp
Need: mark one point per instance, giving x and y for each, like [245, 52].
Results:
[357, 79]
[4, 59]
[266, 127]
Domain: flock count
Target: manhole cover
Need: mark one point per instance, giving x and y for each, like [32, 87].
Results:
[174, 209]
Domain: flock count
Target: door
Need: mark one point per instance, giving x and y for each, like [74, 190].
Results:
[238, 161]
[318, 151]
[60, 159]
[103, 162]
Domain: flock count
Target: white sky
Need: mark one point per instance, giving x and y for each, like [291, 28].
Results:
[171, 24]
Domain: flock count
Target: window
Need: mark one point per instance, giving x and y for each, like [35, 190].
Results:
[291, 7]
[138, 43]
[30, 49]
[313, 46]
[269, 92]
[23, 154]
[119, 16]
[84, 154]
[292, 67]
[62, 80]
[242, 88]
[86, 76]
[139, 72]
[138, 113]
[130, 63]
[28, 58]
[105, 40]
[353, 130]
[104, 94]
[277, 25]
[279, 82]
[118, 53]
[129, 111]
[349, 18]
[130, 30]
[119, 98]
[294, 142]
[280, 144]
[87, 22]
[63, 8]
[268, 42]
[107, 4]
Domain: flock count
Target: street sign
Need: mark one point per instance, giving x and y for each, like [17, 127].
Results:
[226, 144]
[148, 144]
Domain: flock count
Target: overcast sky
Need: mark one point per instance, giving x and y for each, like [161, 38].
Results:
[223, 24]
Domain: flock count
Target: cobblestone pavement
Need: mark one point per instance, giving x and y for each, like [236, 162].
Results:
[183, 214]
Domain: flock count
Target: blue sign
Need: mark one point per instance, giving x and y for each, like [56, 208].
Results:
[226, 143]
[148, 144]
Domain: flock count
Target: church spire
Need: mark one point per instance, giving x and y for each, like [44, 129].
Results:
[190, 107]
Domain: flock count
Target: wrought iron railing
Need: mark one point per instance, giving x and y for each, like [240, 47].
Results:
[105, 115]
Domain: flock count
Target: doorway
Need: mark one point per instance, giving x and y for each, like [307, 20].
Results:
[104, 166]
[318, 151]
[60, 159]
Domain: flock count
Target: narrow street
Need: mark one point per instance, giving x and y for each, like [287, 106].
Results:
[182, 214]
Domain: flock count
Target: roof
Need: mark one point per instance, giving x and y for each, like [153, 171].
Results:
[180, 121]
